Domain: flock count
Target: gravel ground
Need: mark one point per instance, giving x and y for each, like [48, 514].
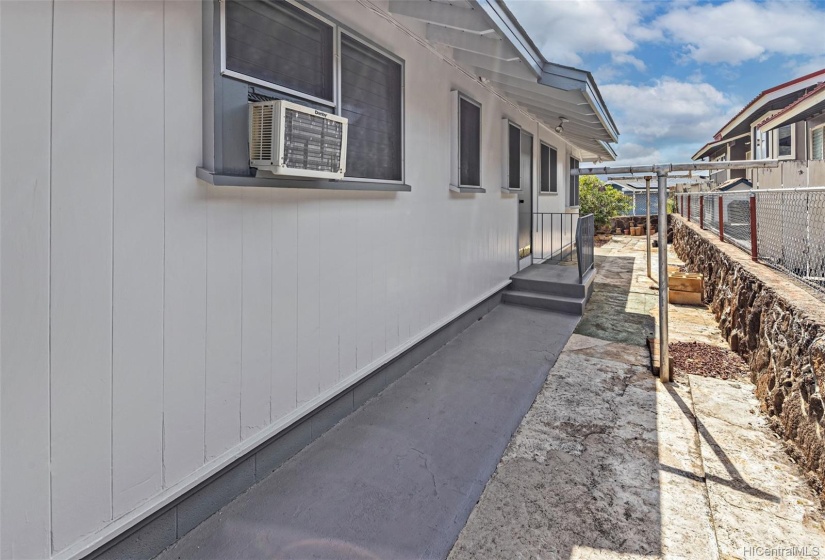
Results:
[697, 358]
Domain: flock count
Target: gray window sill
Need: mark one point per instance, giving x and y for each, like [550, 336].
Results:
[545, 193]
[510, 191]
[457, 189]
[220, 180]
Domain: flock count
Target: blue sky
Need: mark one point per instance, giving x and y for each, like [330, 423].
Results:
[672, 73]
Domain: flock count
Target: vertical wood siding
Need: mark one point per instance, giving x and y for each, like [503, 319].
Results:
[25, 192]
[151, 323]
[81, 268]
[137, 281]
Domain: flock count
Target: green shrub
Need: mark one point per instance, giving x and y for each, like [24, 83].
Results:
[602, 201]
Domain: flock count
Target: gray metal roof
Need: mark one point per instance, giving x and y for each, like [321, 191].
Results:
[487, 40]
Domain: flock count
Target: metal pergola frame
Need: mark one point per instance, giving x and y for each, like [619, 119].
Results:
[661, 171]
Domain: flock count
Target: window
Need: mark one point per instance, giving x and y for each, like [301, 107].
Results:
[818, 143]
[304, 57]
[371, 100]
[513, 157]
[574, 184]
[785, 141]
[465, 175]
[281, 46]
[548, 175]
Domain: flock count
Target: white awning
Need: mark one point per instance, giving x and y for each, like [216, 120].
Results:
[486, 40]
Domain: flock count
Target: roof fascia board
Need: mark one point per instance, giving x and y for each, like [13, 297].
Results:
[512, 33]
[704, 149]
[793, 114]
[768, 96]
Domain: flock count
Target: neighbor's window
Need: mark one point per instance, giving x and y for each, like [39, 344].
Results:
[548, 176]
[785, 141]
[371, 100]
[574, 184]
[469, 142]
[281, 46]
[818, 143]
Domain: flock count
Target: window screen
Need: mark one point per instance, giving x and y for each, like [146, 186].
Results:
[513, 155]
[469, 127]
[785, 147]
[280, 44]
[371, 100]
[574, 184]
[817, 140]
[549, 178]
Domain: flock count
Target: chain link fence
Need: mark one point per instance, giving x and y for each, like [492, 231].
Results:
[639, 202]
[789, 227]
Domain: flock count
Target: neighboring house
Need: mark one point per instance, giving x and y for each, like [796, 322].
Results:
[786, 122]
[169, 309]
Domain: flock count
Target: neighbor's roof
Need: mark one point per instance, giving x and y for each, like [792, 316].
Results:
[806, 106]
[709, 147]
[487, 40]
[783, 94]
[731, 183]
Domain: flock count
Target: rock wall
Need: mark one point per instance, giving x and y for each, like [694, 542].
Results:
[625, 221]
[778, 328]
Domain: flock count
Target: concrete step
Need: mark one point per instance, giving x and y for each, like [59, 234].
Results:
[563, 289]
[550, 302]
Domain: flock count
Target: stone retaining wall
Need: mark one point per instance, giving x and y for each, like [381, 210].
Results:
[778, 328]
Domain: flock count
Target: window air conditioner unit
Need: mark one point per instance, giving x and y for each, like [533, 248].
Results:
[290, 140]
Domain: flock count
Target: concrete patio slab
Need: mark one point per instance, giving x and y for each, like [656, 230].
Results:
[756, 494]
[605, 465]
[611, 464]
[399, 477]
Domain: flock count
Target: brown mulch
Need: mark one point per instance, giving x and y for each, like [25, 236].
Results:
[697, 358]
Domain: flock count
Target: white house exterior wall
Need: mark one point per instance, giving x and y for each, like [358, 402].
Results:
[155, 327]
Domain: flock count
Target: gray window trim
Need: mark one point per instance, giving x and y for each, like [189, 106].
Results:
[569, 201]
[342, 30]
[226, 180]
[505, 145]
[458, 187]
[336, 67]
[214, 110]
[553, 148]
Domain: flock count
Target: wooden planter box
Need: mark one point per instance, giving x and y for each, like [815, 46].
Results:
[685, 288]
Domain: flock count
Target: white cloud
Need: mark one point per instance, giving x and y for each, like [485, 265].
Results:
[566, 29]
[741, 30]
[669, 110]
[624, 58]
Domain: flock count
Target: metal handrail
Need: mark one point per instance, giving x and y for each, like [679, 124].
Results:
[559, 229]
[585, 244]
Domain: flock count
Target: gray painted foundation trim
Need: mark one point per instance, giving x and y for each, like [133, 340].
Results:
[156, 533]
[222, 180]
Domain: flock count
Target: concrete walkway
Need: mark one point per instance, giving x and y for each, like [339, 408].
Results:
[398, 478]
[611, 464]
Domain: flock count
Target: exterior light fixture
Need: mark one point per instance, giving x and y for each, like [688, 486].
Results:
[560, 128]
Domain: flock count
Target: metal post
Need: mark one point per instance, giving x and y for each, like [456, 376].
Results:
[647, 225]
[664, 357]
[721, 218]
[701, 211]
[754, 244]
[688, 209]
